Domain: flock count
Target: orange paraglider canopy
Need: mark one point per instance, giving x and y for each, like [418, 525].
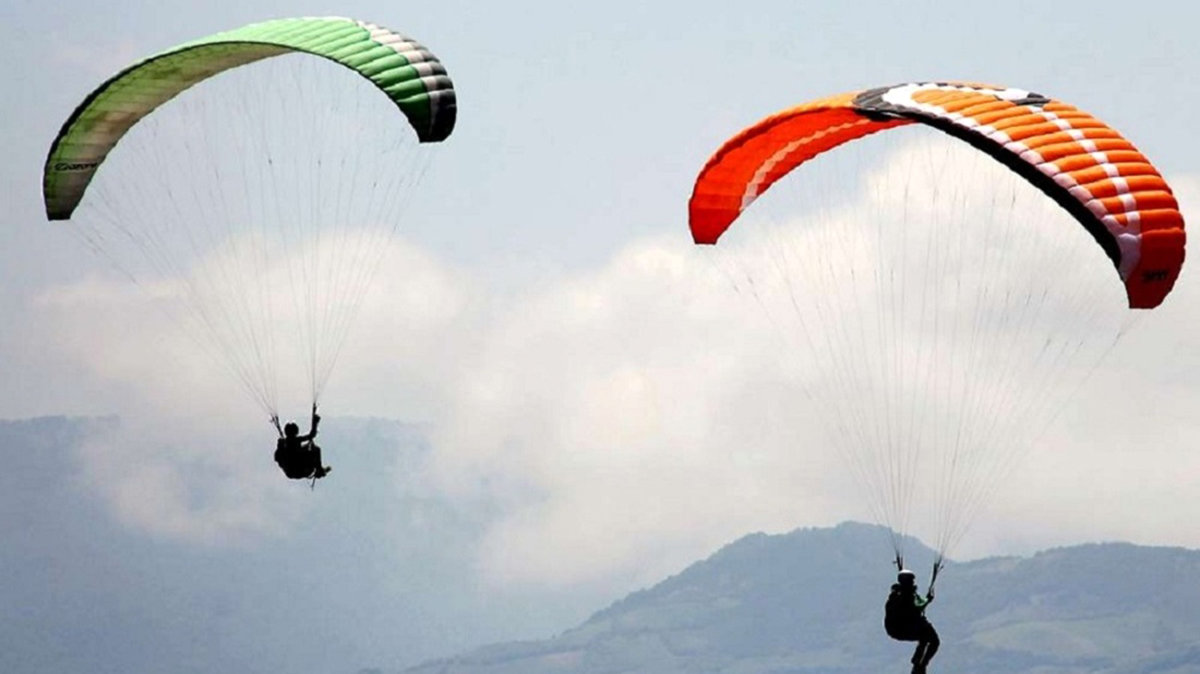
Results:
[1085, 165]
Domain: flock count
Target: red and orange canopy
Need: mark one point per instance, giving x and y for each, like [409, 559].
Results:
[1082, 163]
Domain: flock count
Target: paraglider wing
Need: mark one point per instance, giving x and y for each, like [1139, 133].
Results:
[934, 308]
[255, 177]
[1083, 164]
[406, 72]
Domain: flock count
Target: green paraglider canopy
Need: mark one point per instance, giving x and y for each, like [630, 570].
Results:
[252, 181]
[404, 70]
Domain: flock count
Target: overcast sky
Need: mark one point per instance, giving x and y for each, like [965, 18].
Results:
[543, 313]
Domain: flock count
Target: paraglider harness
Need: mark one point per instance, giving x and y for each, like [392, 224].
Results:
[275, 422]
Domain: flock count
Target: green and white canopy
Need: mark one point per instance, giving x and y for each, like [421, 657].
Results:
[402, 69]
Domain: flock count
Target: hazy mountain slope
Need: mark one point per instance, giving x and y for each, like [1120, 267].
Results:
[376, 569]
[811, 601]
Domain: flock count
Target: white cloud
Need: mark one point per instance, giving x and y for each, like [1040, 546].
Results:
[1120, 464]
[627, 420]
[617, 422]
[207, 486]
[192, 459]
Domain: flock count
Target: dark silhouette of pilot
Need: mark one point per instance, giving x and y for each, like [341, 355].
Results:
[298, 455]
[904, 619]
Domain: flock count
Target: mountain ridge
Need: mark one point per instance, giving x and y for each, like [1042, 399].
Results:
[810, 601]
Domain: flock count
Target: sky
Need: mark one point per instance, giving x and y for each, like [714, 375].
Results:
[575, 365]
